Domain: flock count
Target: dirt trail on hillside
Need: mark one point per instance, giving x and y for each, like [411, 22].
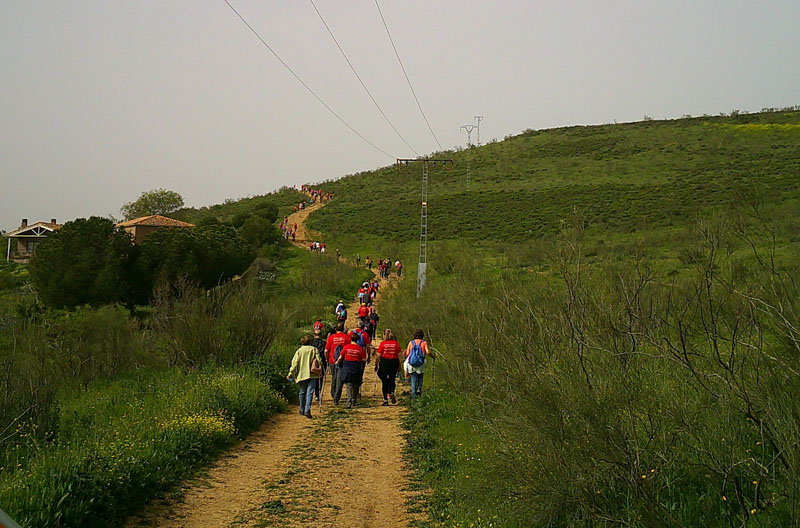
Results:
[343, 468]
[304, 235]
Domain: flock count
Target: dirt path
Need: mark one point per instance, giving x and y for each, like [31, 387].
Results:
[344, 468]
[304, 235]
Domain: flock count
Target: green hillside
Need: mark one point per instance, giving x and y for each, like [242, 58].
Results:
[615, 311]
[620, 178]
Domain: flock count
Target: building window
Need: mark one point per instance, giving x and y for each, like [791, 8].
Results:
[31, 245]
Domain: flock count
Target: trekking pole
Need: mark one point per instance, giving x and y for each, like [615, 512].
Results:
[321, 390]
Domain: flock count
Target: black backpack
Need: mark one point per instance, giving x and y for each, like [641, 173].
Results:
[337, 352]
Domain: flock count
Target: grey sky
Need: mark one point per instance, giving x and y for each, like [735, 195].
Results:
[103, 99]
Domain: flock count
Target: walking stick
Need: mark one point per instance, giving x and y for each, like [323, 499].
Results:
[322, 389]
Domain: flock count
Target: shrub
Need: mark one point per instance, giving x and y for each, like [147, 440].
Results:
[87, 261]
[206, 256]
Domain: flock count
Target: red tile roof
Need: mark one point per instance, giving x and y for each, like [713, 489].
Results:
[154, 221]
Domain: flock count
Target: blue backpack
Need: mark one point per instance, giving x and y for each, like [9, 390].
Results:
[360, 341]
[416, 357]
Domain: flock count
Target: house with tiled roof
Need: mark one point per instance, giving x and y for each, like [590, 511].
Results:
[140, 227]
[22, 242]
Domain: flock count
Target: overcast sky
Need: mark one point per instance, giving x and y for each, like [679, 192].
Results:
[104, 99]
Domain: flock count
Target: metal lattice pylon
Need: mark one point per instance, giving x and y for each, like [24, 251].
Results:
[422, 267]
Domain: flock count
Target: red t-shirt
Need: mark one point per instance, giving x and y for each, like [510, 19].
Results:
[353, 352]
[363, 311]
[334, 340]
[389, 349]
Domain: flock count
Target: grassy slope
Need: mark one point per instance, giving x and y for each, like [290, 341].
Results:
[642, 190]
[622, 178]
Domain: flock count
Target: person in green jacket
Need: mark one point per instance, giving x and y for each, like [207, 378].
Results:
[306, 368]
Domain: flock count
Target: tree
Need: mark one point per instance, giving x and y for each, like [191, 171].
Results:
[155, 202]
[203, 255]
[258, 231]
[87, 261]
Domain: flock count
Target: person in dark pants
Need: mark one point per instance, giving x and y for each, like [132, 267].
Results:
[352, 360]
[387, 363]
[373, 319]
[319, 343]
[333, 348]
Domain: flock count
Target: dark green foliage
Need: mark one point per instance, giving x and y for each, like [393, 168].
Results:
[12, 275]
[239, 219]
[155, 202]
[206, 256]
[267, 211]
[87, 261]
[266, 206]
[208, 221]
[258, 231]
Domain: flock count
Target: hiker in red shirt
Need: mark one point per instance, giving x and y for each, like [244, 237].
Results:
[387, 364]
[333, 348]
[363, 312]
[360, 336]
[351, 361]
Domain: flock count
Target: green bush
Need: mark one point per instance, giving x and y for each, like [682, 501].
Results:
[206, 256]
[87, 261]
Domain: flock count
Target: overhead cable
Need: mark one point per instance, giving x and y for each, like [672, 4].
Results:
[360, 80]
[306, 86]
[406, 74]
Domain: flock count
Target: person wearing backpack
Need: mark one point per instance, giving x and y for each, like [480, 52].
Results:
[333, 347]
[306, 368]
[351, 372]
[387, 364]
[341, 312]
[360, 336]
[319, 343]
[416, 354]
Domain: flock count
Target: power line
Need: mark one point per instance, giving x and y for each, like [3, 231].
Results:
[307, 87]
[359, 79]
[406, 74]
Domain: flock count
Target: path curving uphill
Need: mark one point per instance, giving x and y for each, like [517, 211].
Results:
[343, 469]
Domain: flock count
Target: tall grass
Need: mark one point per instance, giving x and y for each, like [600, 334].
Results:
[615, 392]
[122, 442]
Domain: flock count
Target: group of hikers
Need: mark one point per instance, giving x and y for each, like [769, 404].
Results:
[288, 231]
[316, 195]
[384, 265]
[317, 246]
[343, 357]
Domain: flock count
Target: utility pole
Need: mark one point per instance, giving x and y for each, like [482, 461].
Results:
[469, 129]
[422, 266]
[479, 119]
